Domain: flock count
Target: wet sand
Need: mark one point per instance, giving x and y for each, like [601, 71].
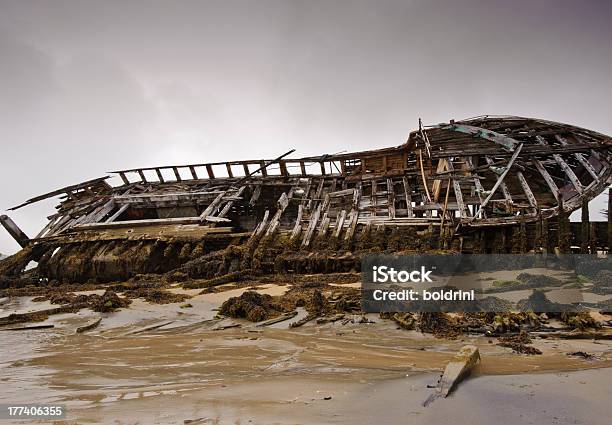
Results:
[123, 372]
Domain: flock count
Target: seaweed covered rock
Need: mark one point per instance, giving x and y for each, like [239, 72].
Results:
[109, 301]
[252, 306]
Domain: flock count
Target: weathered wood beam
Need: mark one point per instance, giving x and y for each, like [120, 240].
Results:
[339, 223]
[177, 174]
[528, 193]
[20, 237]
[120, 211]
[210, 172]
[192, 170]
[390, 198]
[580, 157]
[547, 178]
[408, 196]
[160, 177]
[500, 180]
[463, 212]
[503, 185]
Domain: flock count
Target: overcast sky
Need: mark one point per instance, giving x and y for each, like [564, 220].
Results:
[92, 86]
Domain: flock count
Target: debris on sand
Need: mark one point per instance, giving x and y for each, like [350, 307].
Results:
[89, 326]
[279, 319]
[518, 343]
[583, 354]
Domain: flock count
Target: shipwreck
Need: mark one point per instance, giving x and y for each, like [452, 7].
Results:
[475, 185]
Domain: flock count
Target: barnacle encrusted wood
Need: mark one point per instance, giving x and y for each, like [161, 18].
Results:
[452, 178]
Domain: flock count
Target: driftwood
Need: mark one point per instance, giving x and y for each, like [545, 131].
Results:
[278, 319]
[456, 370]
[89, 326]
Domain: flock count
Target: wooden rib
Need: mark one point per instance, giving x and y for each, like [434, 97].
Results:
[564, 166]
[210, 172]
[457, 189]
[580, 157]
[547, 178]
[262, 224]
[120, 211]
[142, 176]
[528, 193]
[263, 170]
[423, 176]
[124, 178]
[569, 172]
[256, 195]
[500, 180]
[160, 177]
[373, 200]
[441, 168]
[311, 226]
[503, 186]
[230, 203]
[298, 223]
[192, 170]
[177, 174]
[340, 223]
[390, 199]
[228, 167]
[408, 197]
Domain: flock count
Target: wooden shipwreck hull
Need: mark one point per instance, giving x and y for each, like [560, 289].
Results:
[451, 178]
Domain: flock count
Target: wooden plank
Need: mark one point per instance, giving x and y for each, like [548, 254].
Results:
[423, 176]
[143, 178]
[456, 370]
[298, 223]
[547, 178]
[177, 175]
[324, 225]
[503, 186]
[408, 196]
[230, 203]
[228, 167]
[373, 199]
[20, 237]
[569, 172]
[303, 168]
[528, 193]
[210, 172]
[500, 180]
[262, 224]
[160, 177]
[580, 157]
[458, 194]
[390, 198]
[564, 166]
[213, 205]
[256, 195]
[339, 223]
[124, 178]
[192, 170]
[314, 219]
[68, 189]
[120, 211]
